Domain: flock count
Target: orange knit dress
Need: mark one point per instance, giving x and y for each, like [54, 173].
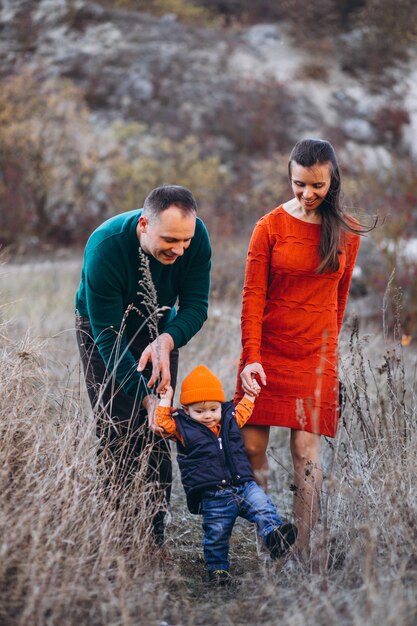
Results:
[291, 319]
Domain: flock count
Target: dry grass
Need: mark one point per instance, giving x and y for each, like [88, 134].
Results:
[67, 556]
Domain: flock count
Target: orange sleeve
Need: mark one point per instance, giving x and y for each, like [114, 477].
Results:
[164, 419]
[353, 242]
[254, 293]
[243, 411]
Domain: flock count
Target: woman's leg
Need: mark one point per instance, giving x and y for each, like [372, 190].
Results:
[305, 450]
[256, 440]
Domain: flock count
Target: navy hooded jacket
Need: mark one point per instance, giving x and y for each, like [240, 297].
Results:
[207, 461]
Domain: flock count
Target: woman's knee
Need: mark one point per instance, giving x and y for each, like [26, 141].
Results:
[305, 447]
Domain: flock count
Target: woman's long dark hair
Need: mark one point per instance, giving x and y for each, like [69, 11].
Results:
[334, 222]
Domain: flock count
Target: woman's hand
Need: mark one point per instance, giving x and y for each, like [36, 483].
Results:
[249, 373]
[256, 388]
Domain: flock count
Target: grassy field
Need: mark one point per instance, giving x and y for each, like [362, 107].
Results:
[68, 557]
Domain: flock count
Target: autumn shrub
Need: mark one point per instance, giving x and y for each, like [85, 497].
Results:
[313, 70]
[391, 195]
[385, 33]
[70, 557]
[255, 187]
[205, 12]
[256, 117]
[47, 159]
[149, 160]
[26, 28]
[186, 10]
[56, 188]
[320, 19]
[371, 38]
[390, 123]
[243, 11]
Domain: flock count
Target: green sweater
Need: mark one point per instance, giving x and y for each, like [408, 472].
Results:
[110, 283]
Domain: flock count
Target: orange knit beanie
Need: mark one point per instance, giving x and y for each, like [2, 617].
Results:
[201, 385]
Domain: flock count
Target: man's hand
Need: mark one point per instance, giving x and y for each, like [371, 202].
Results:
[248, 377]
[149, 403]
[158, 353]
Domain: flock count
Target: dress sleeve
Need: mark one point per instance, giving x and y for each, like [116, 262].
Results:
[164, 419]
[243, 411]
[352, 246]
[254, 293]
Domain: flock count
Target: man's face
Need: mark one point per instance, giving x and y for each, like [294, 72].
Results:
[167, 236]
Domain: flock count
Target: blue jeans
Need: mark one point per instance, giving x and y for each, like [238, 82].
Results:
[220, 509]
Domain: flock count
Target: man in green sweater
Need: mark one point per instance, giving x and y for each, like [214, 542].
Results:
[143, 294]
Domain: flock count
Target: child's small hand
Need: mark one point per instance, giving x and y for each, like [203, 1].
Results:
[256, 388]
[166, 394]
[254, 392]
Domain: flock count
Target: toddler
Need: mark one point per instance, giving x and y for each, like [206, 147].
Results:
[215, 470]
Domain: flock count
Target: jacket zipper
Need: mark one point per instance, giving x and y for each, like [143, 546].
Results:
[223, 460]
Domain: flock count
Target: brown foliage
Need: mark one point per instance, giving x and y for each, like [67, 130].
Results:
[389, 122]
[386, 32]
[312, 21]
[46, 159]
[391, 196]
[257, 117]
[69, 556]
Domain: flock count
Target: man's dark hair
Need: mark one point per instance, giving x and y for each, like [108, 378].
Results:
[161, 198]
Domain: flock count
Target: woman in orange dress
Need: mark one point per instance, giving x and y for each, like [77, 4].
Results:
[299, 267]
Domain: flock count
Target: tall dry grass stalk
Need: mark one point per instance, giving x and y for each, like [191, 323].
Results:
[69, 556]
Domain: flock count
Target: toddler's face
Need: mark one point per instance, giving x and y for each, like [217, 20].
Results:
[208, 413]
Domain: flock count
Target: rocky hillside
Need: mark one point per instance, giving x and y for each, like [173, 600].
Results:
[135, 66]
[245, 94]
[99, 105]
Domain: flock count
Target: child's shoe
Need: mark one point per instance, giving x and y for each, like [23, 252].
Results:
[220, 577]
[279, 540]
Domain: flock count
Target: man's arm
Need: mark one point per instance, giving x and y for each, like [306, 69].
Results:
[104, 284]
[193, 292]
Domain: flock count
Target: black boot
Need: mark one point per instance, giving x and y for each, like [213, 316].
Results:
[279, 540]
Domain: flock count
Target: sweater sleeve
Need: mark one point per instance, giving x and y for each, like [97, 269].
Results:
[109, 280]
[353, 242]
[254, 293]
[193, 291]
[243, 411]
[104, 287]
[164, 419]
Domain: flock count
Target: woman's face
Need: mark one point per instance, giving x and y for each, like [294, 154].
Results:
[310, 184]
